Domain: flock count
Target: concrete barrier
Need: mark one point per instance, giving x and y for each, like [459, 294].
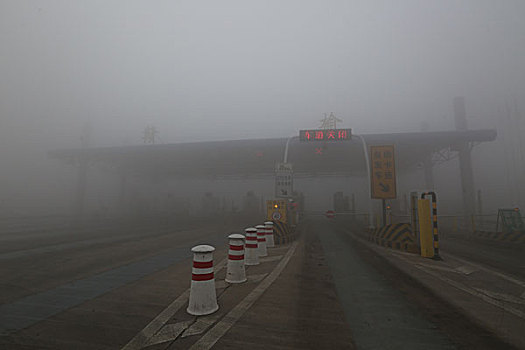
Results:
[283, 233]
[396, 236]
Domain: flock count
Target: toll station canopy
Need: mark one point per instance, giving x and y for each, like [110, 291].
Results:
[257, 157]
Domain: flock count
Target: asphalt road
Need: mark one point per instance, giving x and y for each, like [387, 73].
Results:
[68, 267]
[99, 289]
[505, 257]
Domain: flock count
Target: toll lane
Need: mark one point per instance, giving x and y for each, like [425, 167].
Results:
[37, 270]
[31, 309]
[475, 306]
[379, 316]
[505, 257]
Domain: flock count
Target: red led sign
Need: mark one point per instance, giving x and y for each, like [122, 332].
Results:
[325, 135]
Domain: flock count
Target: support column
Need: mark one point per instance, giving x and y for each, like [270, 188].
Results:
[122, 195]
[465, 161]
[80, 198]
[427, 162]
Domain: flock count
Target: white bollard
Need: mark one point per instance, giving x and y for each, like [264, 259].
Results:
[261, 240]
[251, 256]
[269, 234]
[203, 298]
[235, 272]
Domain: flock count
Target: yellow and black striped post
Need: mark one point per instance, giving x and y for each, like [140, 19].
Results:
[434, 222]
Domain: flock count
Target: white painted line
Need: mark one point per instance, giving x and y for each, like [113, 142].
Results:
[460, 286]
[214, 334]
[475, 293]
[82, 244]
[270, 258]
[169, 332]
[501, 296]
[466, 269]
[486, 269]
[142, 338]
[201, 325]
[439, 268]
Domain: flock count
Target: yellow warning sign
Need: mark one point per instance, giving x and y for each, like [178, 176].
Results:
[276, 210]
[383, 172]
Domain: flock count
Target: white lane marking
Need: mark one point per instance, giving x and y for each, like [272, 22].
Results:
[440, 268]
[475, 293]
[141, 339]
[169, 332]
[213, 335]
[201, 325]
[501, 296]
[270, 258]
[84, 243]
[486, 269]
[466, 269]
[458, 285]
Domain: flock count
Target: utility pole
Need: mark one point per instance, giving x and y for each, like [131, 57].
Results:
[78, 207]
[465, 160]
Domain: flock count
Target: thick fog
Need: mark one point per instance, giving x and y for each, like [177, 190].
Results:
[222, 70]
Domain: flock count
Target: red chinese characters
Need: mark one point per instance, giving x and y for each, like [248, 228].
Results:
[325, 135]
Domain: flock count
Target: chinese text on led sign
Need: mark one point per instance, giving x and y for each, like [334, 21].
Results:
[325, 135]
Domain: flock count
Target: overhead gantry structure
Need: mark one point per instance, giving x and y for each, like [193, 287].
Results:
[256, 158]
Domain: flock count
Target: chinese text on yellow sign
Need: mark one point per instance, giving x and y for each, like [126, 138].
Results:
[383, 172]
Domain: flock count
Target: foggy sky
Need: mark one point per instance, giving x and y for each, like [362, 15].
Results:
[214, 70]
[237, 69]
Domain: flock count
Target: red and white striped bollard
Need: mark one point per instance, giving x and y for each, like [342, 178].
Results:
[251, 254]
[261, 240]
[203, 297]
[270, 243]
[235, 272]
